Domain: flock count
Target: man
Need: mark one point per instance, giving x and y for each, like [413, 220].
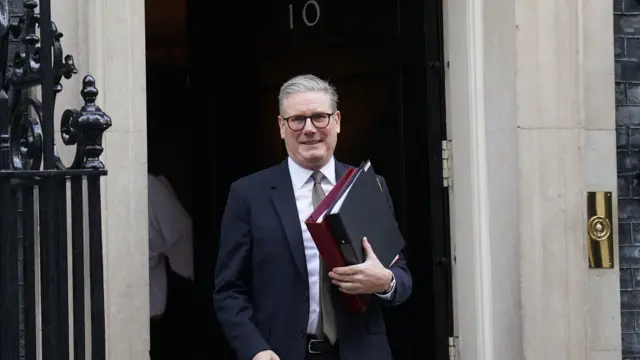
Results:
[272, 295]
[170, 272]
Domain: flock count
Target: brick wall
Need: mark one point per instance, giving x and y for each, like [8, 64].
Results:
[627, 56]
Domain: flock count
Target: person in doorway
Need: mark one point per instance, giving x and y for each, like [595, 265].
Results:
[270, 293]
[170, 272]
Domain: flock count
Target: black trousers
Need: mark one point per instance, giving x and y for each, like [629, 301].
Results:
[328, 352]
[324, 356]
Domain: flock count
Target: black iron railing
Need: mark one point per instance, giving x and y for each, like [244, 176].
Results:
[39, 196]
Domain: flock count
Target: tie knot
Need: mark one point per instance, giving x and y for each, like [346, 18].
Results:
[317, 177]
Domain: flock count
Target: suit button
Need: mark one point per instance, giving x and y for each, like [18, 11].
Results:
[306, 296]
[303, 333]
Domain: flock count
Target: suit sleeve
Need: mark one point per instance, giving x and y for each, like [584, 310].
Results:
[232, 279]
[404, 282]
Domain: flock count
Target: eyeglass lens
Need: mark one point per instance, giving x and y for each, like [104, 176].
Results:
[297, 122]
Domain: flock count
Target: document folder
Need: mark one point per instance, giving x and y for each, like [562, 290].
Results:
[356, 207]
[325, 242]
[363, 211]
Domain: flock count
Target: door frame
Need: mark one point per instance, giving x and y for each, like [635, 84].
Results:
[470, 224]
[430, 79]
[442, 251]
[431, 82]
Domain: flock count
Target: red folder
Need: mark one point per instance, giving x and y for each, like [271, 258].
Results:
[326, 243]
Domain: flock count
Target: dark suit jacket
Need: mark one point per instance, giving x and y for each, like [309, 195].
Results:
[261, 284]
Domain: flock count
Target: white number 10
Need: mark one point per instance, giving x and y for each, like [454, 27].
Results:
[305, 18]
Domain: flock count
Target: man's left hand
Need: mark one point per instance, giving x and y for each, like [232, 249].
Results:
[370, 277]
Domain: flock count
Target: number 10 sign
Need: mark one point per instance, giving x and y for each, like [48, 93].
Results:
[309, 13]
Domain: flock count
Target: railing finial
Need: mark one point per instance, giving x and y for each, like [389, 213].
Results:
[85, 127]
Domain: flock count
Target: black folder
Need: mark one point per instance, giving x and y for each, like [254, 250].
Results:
[362, 211]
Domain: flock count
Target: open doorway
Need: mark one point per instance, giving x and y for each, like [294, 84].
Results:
[213, 79]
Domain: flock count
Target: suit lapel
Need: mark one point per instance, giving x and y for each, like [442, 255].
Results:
[284, 201]
[340, 170]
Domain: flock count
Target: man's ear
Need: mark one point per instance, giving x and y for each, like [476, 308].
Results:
[282, 125]
[337, 116]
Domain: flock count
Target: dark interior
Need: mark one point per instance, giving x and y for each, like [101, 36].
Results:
[213, 74]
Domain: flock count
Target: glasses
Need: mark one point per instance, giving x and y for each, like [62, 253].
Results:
[298, 122]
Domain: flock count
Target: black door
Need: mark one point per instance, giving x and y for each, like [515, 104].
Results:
[385, 59]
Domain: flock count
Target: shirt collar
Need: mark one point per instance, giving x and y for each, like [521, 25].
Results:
[300, 175]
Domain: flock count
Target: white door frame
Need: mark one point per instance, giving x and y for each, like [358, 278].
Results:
[465, 97]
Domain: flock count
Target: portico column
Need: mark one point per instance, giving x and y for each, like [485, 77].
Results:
[530, 93]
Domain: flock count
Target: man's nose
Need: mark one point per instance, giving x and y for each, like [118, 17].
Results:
[308, 126]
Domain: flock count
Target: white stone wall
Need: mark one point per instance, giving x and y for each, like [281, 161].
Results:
[107, 40]
[530, 93]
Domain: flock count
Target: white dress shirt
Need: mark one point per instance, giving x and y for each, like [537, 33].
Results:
[302, 188]
[171, 236]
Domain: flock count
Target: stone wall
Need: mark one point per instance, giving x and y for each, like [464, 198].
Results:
[627, 53]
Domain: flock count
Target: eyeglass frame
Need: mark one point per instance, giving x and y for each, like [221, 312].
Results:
[309, 118]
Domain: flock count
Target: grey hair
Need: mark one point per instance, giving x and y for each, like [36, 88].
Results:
[307, 83]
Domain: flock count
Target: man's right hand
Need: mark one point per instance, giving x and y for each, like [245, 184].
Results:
[266, 355]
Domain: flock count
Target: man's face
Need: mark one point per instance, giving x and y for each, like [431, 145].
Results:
[312, 132]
